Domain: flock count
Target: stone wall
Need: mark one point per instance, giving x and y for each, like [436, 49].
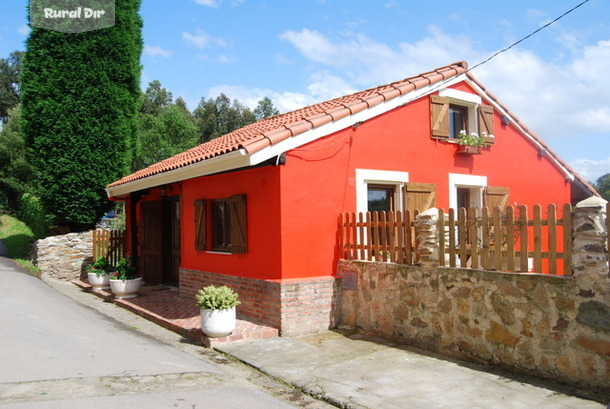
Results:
[551, 326]
[554, 327]
[64, 257]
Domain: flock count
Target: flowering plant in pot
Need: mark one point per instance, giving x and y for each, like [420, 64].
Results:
[217, 304]
[99, 274]
[472, 143]
[125, 282]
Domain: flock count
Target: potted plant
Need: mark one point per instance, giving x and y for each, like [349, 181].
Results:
[125, 282]
[99, 274]
[217, 304]
[472, 143]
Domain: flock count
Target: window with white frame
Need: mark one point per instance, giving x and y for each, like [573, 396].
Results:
[466, 190]
[453, 111]
[379, 190]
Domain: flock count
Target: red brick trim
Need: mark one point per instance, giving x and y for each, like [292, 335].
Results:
[295, 307]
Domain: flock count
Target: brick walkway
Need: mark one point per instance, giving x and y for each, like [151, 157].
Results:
[163, 306]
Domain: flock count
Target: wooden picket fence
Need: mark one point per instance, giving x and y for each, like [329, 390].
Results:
[109, 244]
[506, 240]
[378, 236]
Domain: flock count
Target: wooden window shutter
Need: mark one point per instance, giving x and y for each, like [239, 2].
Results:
[239, 233]
[439, 116]
[419, 196]
[200, 225]
[486, 121]
[496, 196]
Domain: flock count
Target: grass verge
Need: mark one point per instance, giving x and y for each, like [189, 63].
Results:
[18, 237]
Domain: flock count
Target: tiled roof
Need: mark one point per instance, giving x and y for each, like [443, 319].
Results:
[272, 130]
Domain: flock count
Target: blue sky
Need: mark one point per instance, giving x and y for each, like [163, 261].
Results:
[299, 52]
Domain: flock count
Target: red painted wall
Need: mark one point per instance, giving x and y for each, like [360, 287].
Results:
[318, 180]
[261, 186]
[293, 209]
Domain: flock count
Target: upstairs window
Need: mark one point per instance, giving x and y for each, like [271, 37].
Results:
[458, 120]
[452, 111]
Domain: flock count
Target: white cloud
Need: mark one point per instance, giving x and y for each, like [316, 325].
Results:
[564, 97]
[568, 98]
[209, 3]
[156, 51]
[201, 39]
[367, 62]
[326, 86]
[216, 3]
[283, 101]
[591, 169]
[220, 59]
[24, 30]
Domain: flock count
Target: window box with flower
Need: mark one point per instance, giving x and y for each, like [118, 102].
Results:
[472, 143]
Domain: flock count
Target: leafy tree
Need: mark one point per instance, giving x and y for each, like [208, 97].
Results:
[16, 174]
[602, 185]
[216, 117]
[164, 135]
[80, 97]
[10, 69]
[265, 109]
[155, 99]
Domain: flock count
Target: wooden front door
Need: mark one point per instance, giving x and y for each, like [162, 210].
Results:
[151, 241]
[171, 240]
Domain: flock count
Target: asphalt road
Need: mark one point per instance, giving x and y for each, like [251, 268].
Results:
[57, 352]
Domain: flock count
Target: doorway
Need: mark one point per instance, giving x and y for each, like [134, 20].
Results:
[160, 241]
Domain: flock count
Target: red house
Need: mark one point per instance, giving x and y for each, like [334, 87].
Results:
[257, 209]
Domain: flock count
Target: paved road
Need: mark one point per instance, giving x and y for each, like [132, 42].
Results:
[58, 353]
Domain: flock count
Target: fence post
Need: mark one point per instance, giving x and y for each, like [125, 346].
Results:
[426, 231]
[589, 235]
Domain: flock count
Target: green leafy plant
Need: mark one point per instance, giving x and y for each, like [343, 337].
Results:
[217, 298]
[471, 140]
[125, 271]
[100, 267]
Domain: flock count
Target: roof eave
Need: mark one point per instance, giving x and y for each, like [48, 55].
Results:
[229, 161]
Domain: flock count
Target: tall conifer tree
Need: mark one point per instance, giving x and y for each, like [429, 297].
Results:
[80, 93]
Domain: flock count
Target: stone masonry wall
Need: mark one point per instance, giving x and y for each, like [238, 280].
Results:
[293, 307]
[64, 257]
[554, 327]
[551, 326]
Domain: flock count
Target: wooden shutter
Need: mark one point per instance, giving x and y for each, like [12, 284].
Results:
[200, 225]
[439, 116]
[419, 196]
[496, 196]
[238, 224]
[486, 121]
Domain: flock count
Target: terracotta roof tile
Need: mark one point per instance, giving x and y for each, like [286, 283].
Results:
[272, 130]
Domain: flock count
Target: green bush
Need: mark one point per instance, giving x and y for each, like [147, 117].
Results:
[32, 213]
[217, 298]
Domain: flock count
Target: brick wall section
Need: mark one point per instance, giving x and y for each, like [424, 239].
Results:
[65, 257]
[295, 307]
[554, 327]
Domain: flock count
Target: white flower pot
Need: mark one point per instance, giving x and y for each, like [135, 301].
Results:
[99, 282]
[126, 288]
[218, 323]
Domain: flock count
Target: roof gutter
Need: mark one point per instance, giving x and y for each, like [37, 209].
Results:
[222, 163]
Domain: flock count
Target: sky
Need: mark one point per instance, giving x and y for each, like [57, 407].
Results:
[301, 52]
